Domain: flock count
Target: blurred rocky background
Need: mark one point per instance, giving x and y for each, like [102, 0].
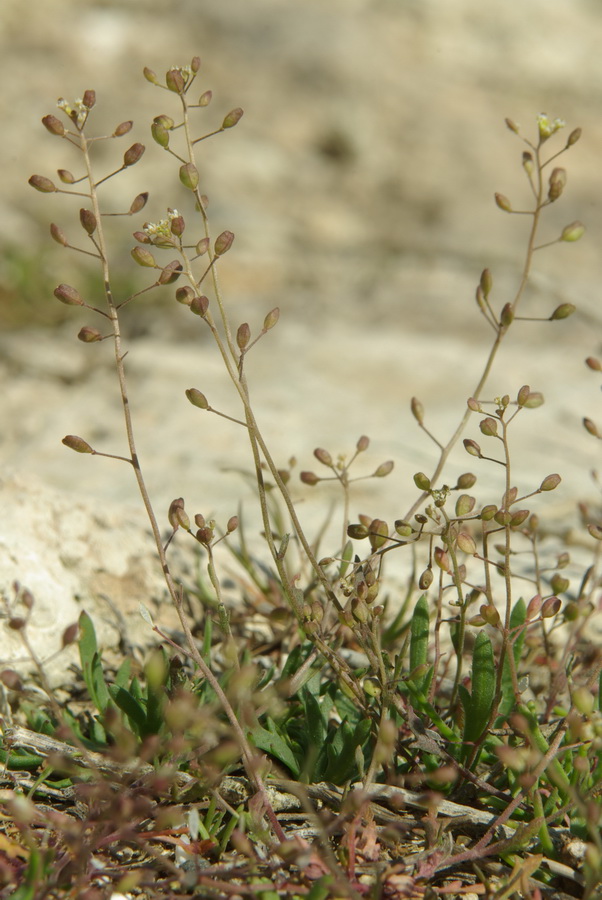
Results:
[360, 186]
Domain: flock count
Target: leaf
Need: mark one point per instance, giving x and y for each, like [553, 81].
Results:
[131, 707]
[419, 639]
[145, 613]
[92, 664]
[518, 617]
[275, 745]
[478, 707]
[347, 740]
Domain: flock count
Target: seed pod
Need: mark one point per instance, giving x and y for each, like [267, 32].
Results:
[174, 515]
[205, 98]
[422, 481]
[488, 427]
[243, 335]
[557, 183]
[197, 398]
[150, 75]
[550, 483]
[138, 203]
[89, 99]
[233, 117]
[591, 426]
[53, 125]
[486, 282]
[572, 232]
[312, 479]
[323, 456]
[441, 557]
[65, 176]
[133, 154]
[88, 220]
[189, 176]
[595, 531]
[563, 311]
[403, 528]
[123, 128]
[42, 184]
[466, 543]
[175, 81]
[550, 607]
[202, 246]
[465, 505]
[511, 125]
[472, 447]
[507, 315]
[358, 532]
[362, 444]
[200, 305]
[384, 469]
[573, 137]
[534, 400]
[160, 134]
[503, 202]
[271, 319]
[593, 363]
[89, 335]
[519, 517]
[78, 444]
[185, 295]
[232, 524]
[528, 162]
[417, 410]
[58, 235]
[559, 583]
[68, 295]
[171, 272]
[426, 579]
[489, 614]
[488, 512]
[223, 242]
[144, 257]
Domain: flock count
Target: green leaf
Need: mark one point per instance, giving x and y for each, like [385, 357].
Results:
[483, 689]
[92, 664]
[131, 707]
[342, 750]
[419, 640]
[275, 745]
[518, 617]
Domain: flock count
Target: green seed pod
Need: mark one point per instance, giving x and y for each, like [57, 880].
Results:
[563, 311]
[144, 257]
[488, 427]
[422, 481]
[426, 579]
[68, 295]
[356, 532]
[42, 184]
[403, 528]
[175, 81]
[466, 481]
[78, 444]
[559, 583]
[417, 410]
[189, 176]
[550, 483]
[160, 134]
[550, 607]
[466, 543]
[519, 517]
[233, 118]
[534, 400]
[489, 614]
[89, 335]
[528, 163]
[133, 154]
[574, 137]
[472, 447]
[150, 75]
[486, 282]
[465, 505]
[205, 98]
[202, 246]
[507, 315]
[488, 512]
[572, 232]
[503, 517]
[53, 125]
[197, 398]
[271, 319]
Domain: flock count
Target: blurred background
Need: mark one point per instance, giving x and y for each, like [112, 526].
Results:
[359, 185]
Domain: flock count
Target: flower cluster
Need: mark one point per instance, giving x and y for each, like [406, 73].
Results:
[161, 229]
[78, 112]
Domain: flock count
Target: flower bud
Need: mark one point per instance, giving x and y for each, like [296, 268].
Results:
[133, 154]
[78, 444]
[68, 295]
[233, 117]
[563, 311]
[200, 305]
[123, 128]
[572, 232]
[243, 335]
[138, 203]
[503, 202]
[271, 318]
[205, 98]
[550, 483]
[223, 242]
[417, 410]
[42, 184]
[89, 99]
[528, 163]
[58, 235]
[53, 125]
[89, 335]
[422, 481]
[197, 398]
[88, 220]
[144, 257]
[312, 479]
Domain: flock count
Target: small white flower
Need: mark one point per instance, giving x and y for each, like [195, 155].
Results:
[162, 228]
[547, 127]
[78, 111]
